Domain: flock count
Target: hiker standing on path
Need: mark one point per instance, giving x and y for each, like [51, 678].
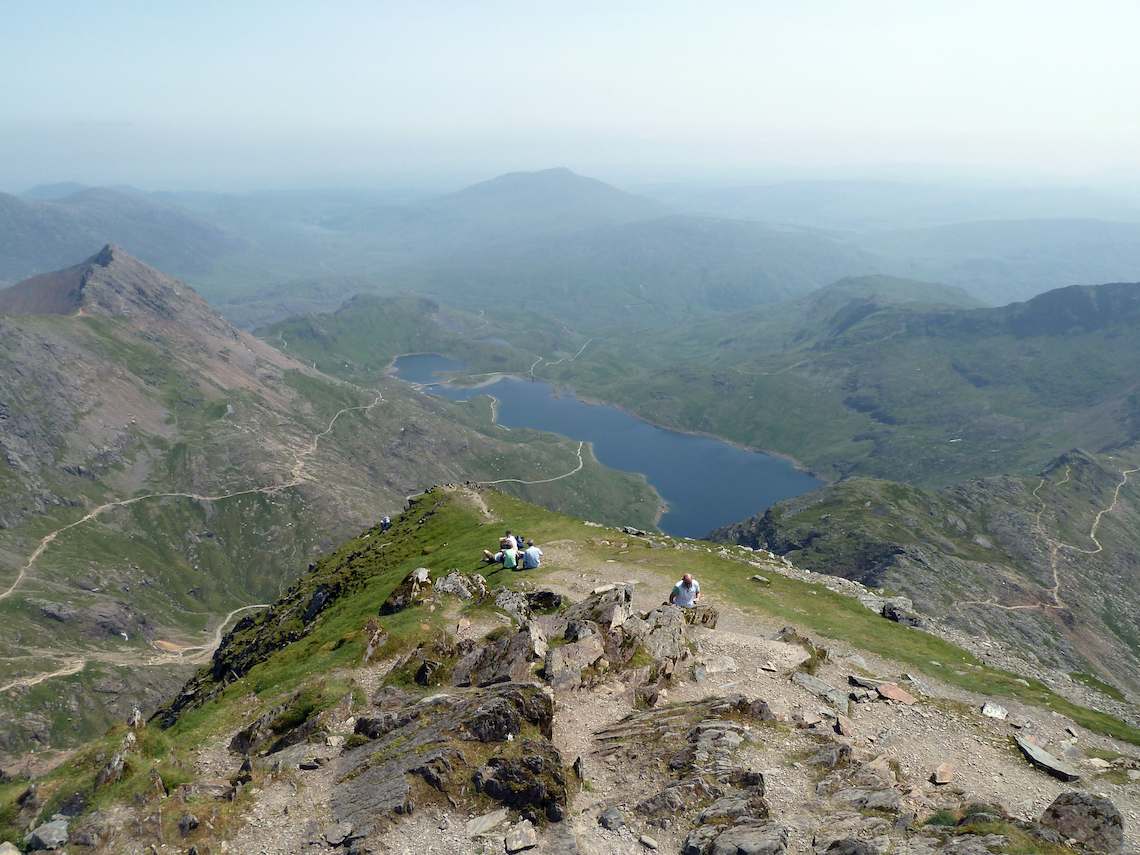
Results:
[686, 593]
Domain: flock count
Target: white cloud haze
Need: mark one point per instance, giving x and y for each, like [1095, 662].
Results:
[248, 94]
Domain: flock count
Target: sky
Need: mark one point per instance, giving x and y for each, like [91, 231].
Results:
[247, 95]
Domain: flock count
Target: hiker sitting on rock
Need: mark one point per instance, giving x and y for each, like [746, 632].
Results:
[686, 593]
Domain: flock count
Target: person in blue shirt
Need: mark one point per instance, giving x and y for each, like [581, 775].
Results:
[532, 556]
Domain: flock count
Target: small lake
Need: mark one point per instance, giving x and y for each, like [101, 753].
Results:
[706, 482]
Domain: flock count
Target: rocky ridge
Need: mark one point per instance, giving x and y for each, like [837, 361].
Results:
[484, 741]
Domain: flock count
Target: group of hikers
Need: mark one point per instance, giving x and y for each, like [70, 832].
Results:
[686, 593]
[512, 555]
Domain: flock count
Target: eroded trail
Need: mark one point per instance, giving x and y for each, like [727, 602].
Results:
[1055, 546]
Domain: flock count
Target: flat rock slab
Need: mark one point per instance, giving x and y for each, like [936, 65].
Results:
[521, 836]
[893, 693]
[1045, 761]
[483, 824]
[821, 689]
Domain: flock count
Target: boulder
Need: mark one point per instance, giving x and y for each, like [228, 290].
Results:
[515, 604]
[611, 819]
[705, 616]
[50, 835]
[892, 610]
[608, 609]
[564, 665]
[508, 660]
[534, 780]
[466, 586]
[426, 739]
[1093, 821]
[750, 837]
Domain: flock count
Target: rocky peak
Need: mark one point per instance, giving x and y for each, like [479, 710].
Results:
[111, 282]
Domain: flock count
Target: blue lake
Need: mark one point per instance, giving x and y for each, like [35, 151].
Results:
[707, 483]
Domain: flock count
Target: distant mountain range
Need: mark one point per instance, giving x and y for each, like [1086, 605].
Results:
[38, 236]
[580, 250]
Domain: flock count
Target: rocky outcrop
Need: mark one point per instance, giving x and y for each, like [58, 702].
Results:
[1092, 821]
[436, 749]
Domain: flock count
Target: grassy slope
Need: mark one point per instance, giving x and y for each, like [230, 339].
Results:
[1048, 563]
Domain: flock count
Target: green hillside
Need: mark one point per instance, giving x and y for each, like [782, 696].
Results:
[868, 385]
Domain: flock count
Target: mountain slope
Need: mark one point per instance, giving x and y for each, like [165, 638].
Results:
[319, 725]
[1050, 561]
[162, 468]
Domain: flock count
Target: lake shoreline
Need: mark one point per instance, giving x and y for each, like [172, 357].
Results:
[702, 481]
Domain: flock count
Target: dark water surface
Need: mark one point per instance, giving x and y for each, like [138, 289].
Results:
[707, 483]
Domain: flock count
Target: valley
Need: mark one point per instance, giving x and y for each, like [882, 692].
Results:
[168, 474]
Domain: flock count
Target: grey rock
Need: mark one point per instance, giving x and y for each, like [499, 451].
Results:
[507, 660]
[821, 689]
[564, 665]
[416, 588]
[893, 611]
[187, 823]
[1045, 761]
[611, 819]
[50, 835]
[515, 604]
[863, 798]
[483, 824]
[648, 842]
[992, 710]
[209, 788]
[466, 586]
[338, 833]
[521, 836]
[747, 838]
[1093, 821]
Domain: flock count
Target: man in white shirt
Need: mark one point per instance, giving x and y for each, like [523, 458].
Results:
[686, 593]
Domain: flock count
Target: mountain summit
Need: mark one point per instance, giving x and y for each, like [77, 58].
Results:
[111, 282]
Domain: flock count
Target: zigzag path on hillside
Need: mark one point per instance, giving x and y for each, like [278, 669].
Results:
[168, 653]
[1055, 547]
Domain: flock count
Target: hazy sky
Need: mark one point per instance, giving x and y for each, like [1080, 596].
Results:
[247, 94]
